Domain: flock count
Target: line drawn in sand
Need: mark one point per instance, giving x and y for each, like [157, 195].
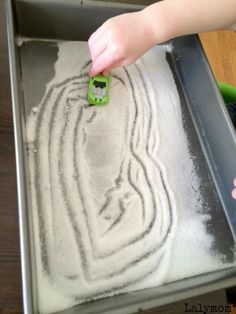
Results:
[104, 213]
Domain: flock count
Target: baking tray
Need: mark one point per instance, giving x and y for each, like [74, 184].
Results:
[212, 138]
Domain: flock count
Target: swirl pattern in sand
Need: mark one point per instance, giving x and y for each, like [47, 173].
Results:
[104, 214]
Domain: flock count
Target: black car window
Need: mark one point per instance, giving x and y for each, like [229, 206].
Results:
[99, 84]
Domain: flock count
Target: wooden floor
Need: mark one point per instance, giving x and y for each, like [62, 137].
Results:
[220, 48]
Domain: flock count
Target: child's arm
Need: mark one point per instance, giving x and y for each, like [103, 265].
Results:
[123, 39]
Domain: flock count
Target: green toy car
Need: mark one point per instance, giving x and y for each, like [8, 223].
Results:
[98, 90]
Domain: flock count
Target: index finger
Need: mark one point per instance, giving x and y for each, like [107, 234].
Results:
[95, 35]
[104, 61]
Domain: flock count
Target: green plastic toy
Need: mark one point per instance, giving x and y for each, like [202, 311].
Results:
[228, 92]
[98, 90]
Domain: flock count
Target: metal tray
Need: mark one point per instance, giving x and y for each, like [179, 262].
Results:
[211, 133]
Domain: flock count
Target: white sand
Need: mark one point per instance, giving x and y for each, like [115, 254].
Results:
[108, 184]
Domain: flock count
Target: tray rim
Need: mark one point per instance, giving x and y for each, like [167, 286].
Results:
[226, 276]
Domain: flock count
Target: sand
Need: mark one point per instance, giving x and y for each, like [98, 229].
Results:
[115, 193]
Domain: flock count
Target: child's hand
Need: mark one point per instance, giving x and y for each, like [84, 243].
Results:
[123, 39]
[120, 41]
[234, 190]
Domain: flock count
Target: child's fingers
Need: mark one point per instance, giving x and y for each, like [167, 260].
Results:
[97, 48]
[112, 66]
[103, 62]
[106, 72]
[234, 193]
[234, 182]
[234, 189]
[96, 35]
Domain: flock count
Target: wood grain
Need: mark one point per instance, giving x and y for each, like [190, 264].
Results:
[220, 49]
[10, 277]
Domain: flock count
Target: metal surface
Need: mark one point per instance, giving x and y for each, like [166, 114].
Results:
[209, 114]
[206, 122]
[21, 184]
